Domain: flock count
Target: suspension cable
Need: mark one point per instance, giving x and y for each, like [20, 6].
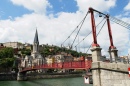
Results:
[120, 22]
[101, 28]
[90, 32]
[83, 38]
[79, 30]
[96, 36]
[74, 29]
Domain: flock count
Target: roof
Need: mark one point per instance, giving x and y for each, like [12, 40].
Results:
[36, 37]
[28, 57]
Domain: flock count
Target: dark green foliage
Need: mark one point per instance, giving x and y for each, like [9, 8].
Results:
[6, 53]
[26, 51]
[6, 57]
[46, 51]
[52, 50]
[6, 62]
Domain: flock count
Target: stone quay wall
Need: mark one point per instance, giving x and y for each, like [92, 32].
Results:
[48, 76]
[110, 74]
[8, 77]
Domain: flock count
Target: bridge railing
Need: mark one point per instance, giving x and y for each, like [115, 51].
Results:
[86, 64]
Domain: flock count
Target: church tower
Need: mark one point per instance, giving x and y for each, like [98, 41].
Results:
[35, 58]
[36, 44]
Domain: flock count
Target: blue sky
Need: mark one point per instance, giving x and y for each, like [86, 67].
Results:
[118, 9]
[63, 5]
[8, 9]
[19, 19]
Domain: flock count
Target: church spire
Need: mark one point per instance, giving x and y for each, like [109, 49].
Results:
[36, 43]
[36, 37]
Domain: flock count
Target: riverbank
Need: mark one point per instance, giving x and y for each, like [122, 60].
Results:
[53, 75]
[8, 77]
[76, 81]
[33, 76]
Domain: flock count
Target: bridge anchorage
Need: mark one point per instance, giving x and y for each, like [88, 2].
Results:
[21, 76]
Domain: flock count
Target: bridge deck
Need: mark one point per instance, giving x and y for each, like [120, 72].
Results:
[63, 65]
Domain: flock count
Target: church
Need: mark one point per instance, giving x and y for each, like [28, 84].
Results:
[35, 58]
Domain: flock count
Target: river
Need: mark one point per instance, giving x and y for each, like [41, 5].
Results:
[77, 81]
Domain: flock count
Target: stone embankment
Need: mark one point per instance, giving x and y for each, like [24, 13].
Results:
[8, 77]
[56, 75]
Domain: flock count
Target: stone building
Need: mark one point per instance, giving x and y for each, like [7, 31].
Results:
[17, 45]
[35, 58]
[28, 46]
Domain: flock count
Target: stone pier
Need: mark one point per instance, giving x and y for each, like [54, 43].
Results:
[21, 76]
[96, 57]
[96, 54]
[113, 55]
[110, 74]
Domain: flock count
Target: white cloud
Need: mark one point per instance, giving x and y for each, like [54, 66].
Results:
[54, 30]
[101, 5]
[38, 6]
[127, 7]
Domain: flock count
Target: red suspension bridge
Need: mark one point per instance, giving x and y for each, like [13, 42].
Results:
[84, 64]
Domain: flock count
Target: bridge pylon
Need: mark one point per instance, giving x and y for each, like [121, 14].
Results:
[96, 50]
[113, 52]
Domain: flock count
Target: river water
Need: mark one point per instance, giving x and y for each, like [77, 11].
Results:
[77, 81]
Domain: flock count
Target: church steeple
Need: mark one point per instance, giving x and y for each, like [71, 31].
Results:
[36, 43]
[36, 37]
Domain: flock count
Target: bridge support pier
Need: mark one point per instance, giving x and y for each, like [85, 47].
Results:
[111, 74]
[21, 76]
[113, 55]
[96, 53]
[96, 57]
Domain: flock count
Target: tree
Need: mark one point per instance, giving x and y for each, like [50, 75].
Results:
[26, 51]
[52, 50]
[6, 58]
[6, 53]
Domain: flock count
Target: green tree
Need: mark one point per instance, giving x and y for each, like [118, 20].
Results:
[55, 49]
[6, 53]
[6, 58]
[26, 51]
[6, 62]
